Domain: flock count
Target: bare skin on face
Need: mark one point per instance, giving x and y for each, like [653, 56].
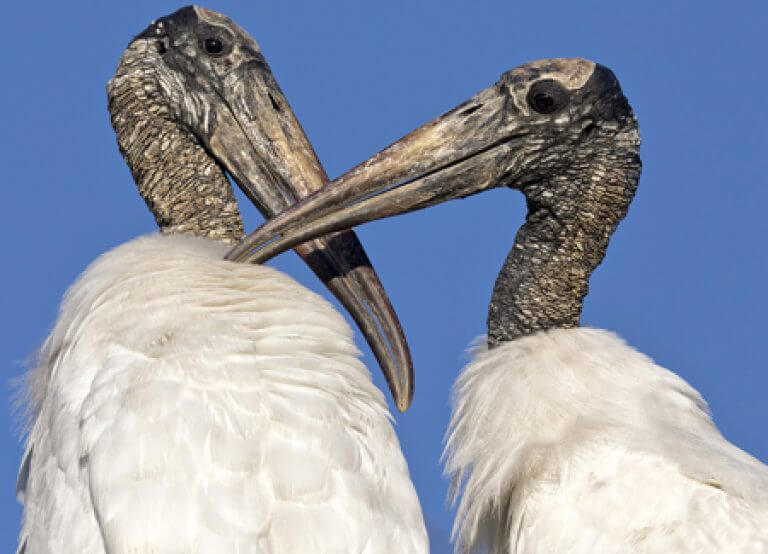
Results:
[561, 131]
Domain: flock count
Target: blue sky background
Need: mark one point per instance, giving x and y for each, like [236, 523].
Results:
[685, 276]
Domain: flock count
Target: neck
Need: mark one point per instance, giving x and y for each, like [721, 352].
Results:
[181, 183]
[545, 277]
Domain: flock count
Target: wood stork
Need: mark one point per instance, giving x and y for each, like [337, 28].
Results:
[562, 439]
[184, 403]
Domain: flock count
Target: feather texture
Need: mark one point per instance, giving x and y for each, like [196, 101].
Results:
[571, 441]
[187, 404]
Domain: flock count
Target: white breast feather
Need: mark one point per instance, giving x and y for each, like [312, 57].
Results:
[187, 404]
[571, 441]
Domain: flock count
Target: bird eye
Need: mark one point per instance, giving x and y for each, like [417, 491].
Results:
[161, 49]
[547, 96]
[213, 46]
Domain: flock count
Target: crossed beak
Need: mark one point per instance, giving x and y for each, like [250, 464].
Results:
[462, 152]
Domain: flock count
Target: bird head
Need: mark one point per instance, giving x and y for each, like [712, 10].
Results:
[559, 130]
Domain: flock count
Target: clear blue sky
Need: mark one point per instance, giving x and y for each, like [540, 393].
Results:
[684, 279]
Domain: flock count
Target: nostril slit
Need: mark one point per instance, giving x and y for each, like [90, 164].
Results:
[275, 105]
[470, 111]
[589, 129]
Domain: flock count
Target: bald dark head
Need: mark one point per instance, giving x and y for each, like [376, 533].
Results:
[559, 130]
[165, 101]
[579, 176]
[196, 54]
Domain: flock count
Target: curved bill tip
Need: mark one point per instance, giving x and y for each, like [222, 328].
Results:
[341, 263]
[396, 363]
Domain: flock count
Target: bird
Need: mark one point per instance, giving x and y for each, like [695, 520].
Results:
[562, 438]
[185, 403]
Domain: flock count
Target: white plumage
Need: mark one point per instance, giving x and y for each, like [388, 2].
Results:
[571, 441]
[183, 403]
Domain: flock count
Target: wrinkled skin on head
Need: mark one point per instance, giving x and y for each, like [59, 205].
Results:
[559, 130]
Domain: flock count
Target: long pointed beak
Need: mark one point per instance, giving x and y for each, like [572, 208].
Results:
[460, 153]
[260, 142]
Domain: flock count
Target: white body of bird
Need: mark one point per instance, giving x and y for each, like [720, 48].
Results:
[571, 441]
[183, 403]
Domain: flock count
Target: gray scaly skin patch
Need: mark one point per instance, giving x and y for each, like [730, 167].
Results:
[181, 183]
[577, 195]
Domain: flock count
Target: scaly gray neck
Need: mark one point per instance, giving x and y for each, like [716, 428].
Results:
[545, 278]
[181, 183]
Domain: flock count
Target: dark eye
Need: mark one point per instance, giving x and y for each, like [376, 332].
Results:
[161, 49]
[547, 96]
[213, 46]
